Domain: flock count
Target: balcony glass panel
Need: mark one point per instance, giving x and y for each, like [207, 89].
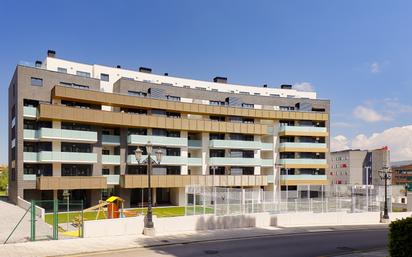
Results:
[156, 140]
[111, 159]
[67, 157]
[302, 145]
[110, 140]
[228, 161]
[29, 157]
[194, 161]
[112, 179]
[29, 112]
[302, 129]
[302, 161]
[195, 143]
[67, 134]
[267, 162]
[235, 144]
[303, 177]
[30, 134]
[29, 177]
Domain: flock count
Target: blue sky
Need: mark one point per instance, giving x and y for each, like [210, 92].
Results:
[355, 53]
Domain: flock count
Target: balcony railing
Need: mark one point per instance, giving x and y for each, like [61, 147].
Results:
[111, 159]
[166, 160]
[232, 161]
[71, 182]
[302, 129]
[303, 161]
[195, 143]
[194, 161]
[234, 144]
[156, 140]
[65, 157]
[110, 140]
[29, 112]
[60, 134]
[303, 180]
[112, 179]
[29, 177]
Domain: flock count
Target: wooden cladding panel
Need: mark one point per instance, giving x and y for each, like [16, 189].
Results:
[71, 182]
[119, 100]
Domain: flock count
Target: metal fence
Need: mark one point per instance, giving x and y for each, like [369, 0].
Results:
[307, 198]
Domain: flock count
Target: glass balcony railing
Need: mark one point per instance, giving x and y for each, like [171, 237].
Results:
[112, 179]
[156, 140]
[234, 144]
[302, 145]
[267, 146]
[194, 161]
[65, 157]
[302, 129]
[110, 140]
[302, 161]
[111, 159]
[267, 162]
[195, 143]
[303, 177]
[60, 134]
[166, 160]
[232, 161]
[29, 177]
[29, 112]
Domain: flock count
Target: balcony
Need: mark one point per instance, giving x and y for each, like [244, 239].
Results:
[60, 134]
[71, 182]
[195, 143]
[234, 144]
[29, 177]
[166, 160]
[266, 146]
[302, 131]
[167, 181]
[156, 140]
[111, 159]
[303, 163]
[194, 161]
[112, 179]
[110, 140]
[232, 161]
[302, 147]
[65, 157]
[267, 162]
[29, 112]
[303, 180]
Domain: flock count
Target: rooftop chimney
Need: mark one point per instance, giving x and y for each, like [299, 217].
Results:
[220, 80]
[38, 64]
[51, 53]
[286, 86]
[145, 70]
[118, 66]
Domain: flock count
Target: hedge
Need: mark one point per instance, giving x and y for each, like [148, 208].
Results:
[400, 238]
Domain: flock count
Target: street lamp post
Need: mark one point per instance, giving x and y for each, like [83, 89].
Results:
[385, 174]
[149, 226]
[214, 188]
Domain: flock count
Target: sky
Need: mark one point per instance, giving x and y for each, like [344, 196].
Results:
[356, 53]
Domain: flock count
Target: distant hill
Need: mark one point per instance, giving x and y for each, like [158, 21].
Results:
[401, 163]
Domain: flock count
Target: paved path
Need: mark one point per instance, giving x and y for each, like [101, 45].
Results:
[101, 244]
[10, 215]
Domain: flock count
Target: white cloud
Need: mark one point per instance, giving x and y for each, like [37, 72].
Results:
[304, 86]
[368, 114]
[398, 139]
[375, 67]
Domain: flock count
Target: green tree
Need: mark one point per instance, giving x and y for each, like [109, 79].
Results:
[4, 180]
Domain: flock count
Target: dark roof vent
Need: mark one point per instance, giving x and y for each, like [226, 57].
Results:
[38, 64]
[145, 70]
[118, 66]
[220, 80]
[51, 53]
[166, 74]
[265, 85]
[286, 86]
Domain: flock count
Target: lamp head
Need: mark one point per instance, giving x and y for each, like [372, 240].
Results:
[149, 147]
[159, 155]
[138, 154]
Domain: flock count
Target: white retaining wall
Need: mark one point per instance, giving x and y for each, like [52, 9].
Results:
[113, 227]
[40, 212]
[399, 215]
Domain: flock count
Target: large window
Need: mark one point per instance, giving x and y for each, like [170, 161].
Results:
[83, 74]
[62, 70]
[38, 169]
[76, 170]
[104, 77]
[76, 148]
[38, 82]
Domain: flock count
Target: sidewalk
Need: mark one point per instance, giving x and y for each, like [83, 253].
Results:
[376, 253]
[90, 245]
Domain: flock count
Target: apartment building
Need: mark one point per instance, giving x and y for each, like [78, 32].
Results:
[358, 167]
[75, 126]
[402, 175]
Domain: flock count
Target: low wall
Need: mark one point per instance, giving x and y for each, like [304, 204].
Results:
[399, 215]
[330, 218]
[40, 212]
[113, 227]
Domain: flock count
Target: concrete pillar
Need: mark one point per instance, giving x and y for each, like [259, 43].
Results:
[123, 150]
[97, 149]
[55, 193]
[205, 153]
[183, 153]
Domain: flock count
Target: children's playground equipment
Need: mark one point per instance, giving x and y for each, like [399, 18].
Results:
[114, 206]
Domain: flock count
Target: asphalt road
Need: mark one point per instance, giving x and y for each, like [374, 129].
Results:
[317, 243]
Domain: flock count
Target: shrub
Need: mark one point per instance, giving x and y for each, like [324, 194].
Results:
[400, 238]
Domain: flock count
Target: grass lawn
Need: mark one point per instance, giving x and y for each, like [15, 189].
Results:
[158, 211]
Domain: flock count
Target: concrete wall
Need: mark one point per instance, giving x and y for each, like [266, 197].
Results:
[113, 227]
[40, 212]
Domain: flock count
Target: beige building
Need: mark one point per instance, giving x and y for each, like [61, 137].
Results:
[75, 127]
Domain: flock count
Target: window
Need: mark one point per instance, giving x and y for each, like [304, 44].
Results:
[104, 77]
[136, 93]
[83, 74]
[105, 171]
[245, 105]
[36, 82]
[62, 70]
[173, 98]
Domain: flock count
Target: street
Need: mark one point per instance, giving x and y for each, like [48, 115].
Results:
[316, 243]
